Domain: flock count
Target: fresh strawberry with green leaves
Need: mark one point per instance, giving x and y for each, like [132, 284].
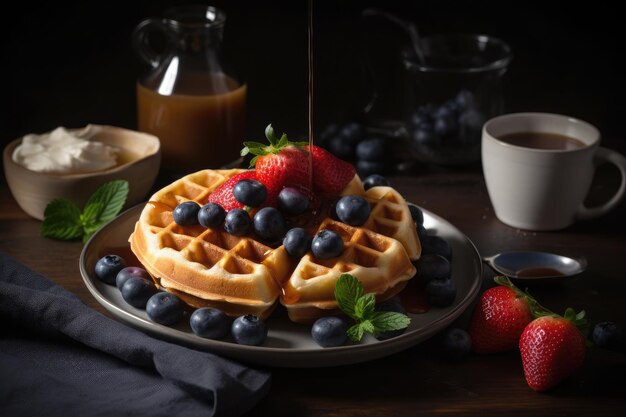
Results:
[280, 164]
[552, 348]
[500, 317]
[223, 194]
[330, 174]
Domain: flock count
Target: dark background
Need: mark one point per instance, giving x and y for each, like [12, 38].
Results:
[71, 63]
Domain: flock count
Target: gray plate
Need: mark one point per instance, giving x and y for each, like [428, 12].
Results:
[288, 344]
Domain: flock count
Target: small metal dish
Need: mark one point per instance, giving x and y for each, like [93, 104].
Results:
[536, 267]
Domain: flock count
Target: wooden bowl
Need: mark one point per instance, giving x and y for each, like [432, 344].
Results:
[139, 163]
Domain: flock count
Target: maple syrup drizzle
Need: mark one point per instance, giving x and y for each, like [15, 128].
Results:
[310, 95]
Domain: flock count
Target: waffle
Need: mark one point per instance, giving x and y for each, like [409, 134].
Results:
[379, 262]
[240, 275]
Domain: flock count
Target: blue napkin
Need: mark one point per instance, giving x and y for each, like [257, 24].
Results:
[58, 357]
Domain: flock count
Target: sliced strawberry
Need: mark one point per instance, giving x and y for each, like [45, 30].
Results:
[330, 174]
[499, 318]
[552, 349]
[223, 195]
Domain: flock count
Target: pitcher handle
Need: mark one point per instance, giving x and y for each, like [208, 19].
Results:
[141, 40]
[604, 155]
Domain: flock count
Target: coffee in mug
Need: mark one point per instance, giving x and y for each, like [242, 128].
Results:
[538, 169]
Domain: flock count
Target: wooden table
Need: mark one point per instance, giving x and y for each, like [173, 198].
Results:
[420, 381]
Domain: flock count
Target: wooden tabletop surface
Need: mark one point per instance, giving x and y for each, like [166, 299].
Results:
[419, 380]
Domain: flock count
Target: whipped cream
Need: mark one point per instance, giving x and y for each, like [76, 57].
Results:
[65, 152]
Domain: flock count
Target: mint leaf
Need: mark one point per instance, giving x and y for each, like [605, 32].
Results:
[61, 220]
[389, 320]
[348, 290]
[364, 306]
[111, 196]
[351, 299]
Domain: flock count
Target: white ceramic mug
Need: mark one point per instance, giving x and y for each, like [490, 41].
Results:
[540, 189]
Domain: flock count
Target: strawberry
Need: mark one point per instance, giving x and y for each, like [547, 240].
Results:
[330, 174]
[223, 195]
[552, 348]
[500, 317]
[280, 164]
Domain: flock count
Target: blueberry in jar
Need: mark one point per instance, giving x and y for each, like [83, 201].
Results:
[136, 291]
[327, 244]
[108, 267]
[128, 272]
[341, 147]
[250, 192]
[375, 180]
[186, 214]
[165, 308]
[237, 222]
[367, 168]
[329, 331]
[297, 242]
[210, 323]
[371, 149]
[249, 330]
[353, 210]
[211, 215]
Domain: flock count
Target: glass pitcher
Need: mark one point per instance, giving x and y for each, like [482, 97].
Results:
[447, 87]
[186, 98]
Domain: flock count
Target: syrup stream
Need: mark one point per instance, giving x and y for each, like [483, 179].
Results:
[310, 95]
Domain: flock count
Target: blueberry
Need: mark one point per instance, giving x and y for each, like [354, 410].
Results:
[392, 304]
[353, 132]
[329, 131]
[327, 244]
[446, 126]
[292, 201]
[470, 124]
[464, 99]
[186, 214]
[130, 271]
[209, 323]
[436, 245]
[211, 215]
[250, 192]
[367, 168]
[107, 268]
[416, 214]
[329, 331]
[449, 109]
[371, 149]
[269, 224]
[165, 308]
[456, 343]
[237, 222]
[136, 291]
[608, 334]
[432, 266]
[249, 330]
[297, 242]
[341, 147]
[441, 292]
[419, 118]
[424, 135]
[375, 180]
[353, 210]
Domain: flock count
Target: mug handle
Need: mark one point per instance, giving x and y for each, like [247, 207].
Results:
[141, 40]
[604, 155]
